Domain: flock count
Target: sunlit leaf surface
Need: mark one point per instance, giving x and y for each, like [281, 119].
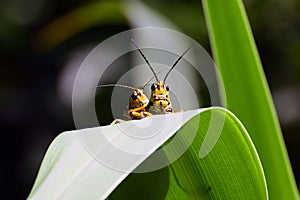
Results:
[216, 165]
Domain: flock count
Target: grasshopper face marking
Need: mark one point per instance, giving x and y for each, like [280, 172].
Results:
[160, 99]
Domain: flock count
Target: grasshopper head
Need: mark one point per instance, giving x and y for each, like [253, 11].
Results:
[138, 99]
[160, 94]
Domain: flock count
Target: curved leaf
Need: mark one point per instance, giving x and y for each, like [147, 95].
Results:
[232, 169]
[219, 165]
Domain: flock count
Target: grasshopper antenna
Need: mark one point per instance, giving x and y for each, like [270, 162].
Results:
[116, 85]
[146, 83]
[129, 87]
[152, 69]
[176, 62]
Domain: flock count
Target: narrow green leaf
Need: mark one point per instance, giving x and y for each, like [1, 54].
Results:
[247, 92]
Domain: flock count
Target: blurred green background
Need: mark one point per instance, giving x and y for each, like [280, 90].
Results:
[44, 42]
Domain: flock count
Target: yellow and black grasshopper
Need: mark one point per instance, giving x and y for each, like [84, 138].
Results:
[160, 102]
[138, 101]
[139, 105]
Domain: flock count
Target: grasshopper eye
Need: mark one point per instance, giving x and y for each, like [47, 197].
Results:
[133, 96]
[153, 87]
[167, 87]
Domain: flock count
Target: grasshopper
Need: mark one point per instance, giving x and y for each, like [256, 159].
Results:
[139, 105]
[159, 102]
[138, 101]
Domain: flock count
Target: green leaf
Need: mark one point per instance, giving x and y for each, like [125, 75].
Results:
[220, 162]
[247, 92]
[232, 169]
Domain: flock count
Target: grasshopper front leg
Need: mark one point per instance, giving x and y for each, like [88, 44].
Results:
[116, 121]
[139, 113]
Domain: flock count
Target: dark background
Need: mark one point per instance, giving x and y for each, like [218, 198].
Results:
[41, 39]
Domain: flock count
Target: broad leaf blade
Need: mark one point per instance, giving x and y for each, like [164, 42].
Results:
[231, 170]
[73, 169]
[247, 92]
